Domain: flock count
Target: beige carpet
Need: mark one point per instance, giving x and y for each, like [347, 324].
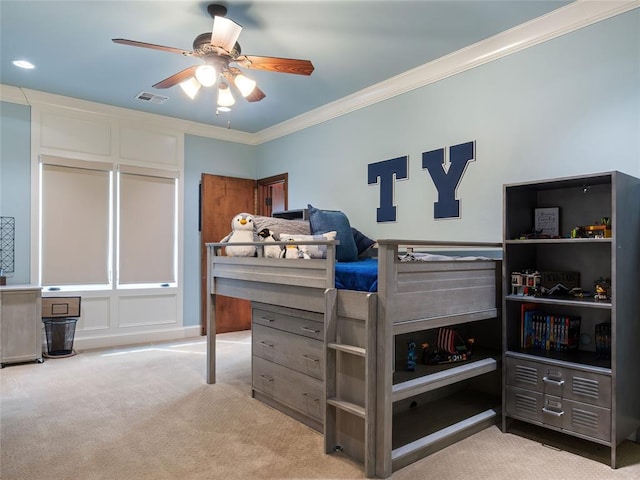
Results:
[146, 413]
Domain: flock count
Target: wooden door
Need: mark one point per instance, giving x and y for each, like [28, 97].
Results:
[222, 198]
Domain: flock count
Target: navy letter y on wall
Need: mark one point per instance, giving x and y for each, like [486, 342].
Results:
[447, 181]
[385, 171]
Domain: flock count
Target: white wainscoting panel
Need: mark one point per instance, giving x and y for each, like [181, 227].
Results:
[75, 132]
[95, 314]
[149, 146]
[145, 310]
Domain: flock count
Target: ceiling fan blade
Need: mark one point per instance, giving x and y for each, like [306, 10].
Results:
[153, 46]
[177, 78]
[225, 33]
[255, 96]
[274, 64]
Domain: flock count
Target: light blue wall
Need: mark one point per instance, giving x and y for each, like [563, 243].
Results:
[570, 106]
[15, 183]
[205, 155]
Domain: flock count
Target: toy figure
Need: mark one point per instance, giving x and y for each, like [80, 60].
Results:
[267, 236]
[603, 289]
[411, 356]
[292, 251]
[450, 347]
[242, 230]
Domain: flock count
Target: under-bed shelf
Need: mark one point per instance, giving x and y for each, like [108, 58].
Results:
[444, 321]
[422, 430]
[432, 377]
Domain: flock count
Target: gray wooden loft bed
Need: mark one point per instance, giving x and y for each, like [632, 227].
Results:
[352, 384]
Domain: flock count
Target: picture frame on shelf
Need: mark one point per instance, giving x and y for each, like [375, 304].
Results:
[547, 221]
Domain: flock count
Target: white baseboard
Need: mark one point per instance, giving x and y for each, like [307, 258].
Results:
[85, 342]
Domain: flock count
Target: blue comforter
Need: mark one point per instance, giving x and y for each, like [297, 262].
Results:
[361, 275]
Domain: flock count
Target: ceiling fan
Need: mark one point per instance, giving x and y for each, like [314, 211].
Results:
[219, 51]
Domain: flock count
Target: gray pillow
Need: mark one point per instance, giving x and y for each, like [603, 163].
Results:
[280, 225]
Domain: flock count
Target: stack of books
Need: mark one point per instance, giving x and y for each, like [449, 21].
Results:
[548, 331]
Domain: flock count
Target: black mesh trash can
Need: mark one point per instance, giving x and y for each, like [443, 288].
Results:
[60, 333]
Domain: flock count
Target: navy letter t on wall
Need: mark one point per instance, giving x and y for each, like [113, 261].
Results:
[385, 171]
[447, 182]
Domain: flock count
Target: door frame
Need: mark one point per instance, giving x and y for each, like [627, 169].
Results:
[263, 186]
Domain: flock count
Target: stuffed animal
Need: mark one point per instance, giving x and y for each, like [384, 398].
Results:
[267, 236]
[242, 230]
[292, 251]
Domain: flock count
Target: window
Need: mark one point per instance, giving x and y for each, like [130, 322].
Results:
[78, 225]
[75, 229]
[147, 227]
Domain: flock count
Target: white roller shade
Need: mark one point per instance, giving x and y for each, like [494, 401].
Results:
[75, 223]
[146, 227]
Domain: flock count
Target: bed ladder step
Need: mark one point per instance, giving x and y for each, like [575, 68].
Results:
[350, 382]
[347, 407]
[361, 352]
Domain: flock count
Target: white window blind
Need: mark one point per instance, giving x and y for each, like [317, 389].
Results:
[146, 226]
[75, 198]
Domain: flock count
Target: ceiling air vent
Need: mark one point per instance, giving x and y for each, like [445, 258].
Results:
[151, 97]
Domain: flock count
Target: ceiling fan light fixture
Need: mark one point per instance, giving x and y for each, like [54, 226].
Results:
[244, 84]
[191, 87]
[206, 75]
[225, 97]
[225, 33]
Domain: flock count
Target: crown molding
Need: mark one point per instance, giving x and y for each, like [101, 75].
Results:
[13, 95]
[569, 18]
[37, 98]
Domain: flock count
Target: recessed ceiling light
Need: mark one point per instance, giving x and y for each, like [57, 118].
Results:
[24, 64]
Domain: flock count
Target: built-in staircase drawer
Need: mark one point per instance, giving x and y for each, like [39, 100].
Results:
[308, 324]
[565, 382]
[294, 389]
[300, 353]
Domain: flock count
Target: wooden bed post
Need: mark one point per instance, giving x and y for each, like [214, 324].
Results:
[387, 255]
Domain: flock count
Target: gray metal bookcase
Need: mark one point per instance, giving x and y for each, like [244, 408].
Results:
[576, 391]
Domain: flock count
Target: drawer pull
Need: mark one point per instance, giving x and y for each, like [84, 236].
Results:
[308, 357]
[551, 380]
[310, 397]
[265, 344]
[552, 412]
[267, 378]
[309, 330]
[268, 319]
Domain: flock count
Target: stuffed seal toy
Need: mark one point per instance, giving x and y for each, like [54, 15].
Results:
[267, 236]
[242, 230]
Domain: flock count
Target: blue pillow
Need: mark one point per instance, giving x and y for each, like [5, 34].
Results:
[323, 221]
[362, 241]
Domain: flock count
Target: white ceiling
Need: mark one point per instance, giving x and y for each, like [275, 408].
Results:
[353, 45]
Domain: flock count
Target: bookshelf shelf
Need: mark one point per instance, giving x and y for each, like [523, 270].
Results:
[560, 241]
[588, 389]
[578, 302]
